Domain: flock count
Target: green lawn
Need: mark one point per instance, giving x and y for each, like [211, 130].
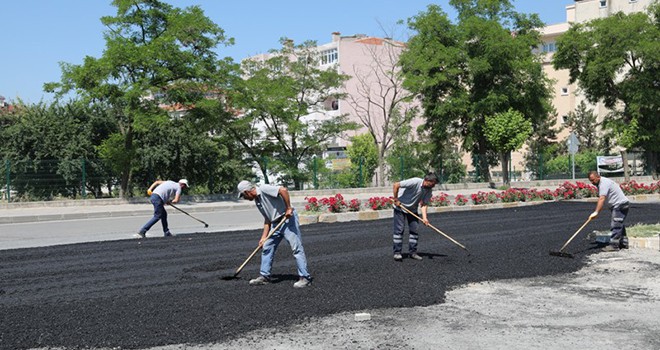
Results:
[643, 230]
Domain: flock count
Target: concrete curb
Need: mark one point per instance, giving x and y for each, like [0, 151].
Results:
[644, 242]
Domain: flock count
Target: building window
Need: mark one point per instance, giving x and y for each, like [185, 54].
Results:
[549, 47]
[603, 3]
[564, 119]
[329, 56]
[564, 91]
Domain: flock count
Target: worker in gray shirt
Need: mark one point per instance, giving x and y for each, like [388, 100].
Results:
[411, 194]
[610, 192]
[274, 204]
[161, 193]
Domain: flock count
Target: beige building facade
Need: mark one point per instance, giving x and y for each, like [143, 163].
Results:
[567, 96]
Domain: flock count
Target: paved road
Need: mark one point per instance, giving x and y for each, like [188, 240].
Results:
[139, 294]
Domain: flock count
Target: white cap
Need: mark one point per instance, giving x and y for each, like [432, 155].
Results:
[184, 181]
[244, 186]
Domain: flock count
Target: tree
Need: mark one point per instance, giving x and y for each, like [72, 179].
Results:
[364, 158]
[282, 115]
[616, 60]
[381, 103]
[152, 50]
[480, 66]
[49, 142]
[506, 132]
[583, 122]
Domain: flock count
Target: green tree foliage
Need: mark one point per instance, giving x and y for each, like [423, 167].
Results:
[364, 159]
[480, 66]
[506, 132]
[152, 49]
[561, 166]
[46, 144]
[408, 157]
[583, 122]
[276, 98]
[617, 60]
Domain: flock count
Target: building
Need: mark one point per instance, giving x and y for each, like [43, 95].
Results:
[567, 96]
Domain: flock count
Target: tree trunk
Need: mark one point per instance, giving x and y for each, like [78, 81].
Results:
[380, 179]
[483, 161]
[126, 171]
[652, 163]
[505, 168]
[626, 168]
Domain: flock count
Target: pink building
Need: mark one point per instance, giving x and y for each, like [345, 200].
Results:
[374, 87]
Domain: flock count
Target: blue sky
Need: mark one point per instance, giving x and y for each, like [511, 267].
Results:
[35, 35]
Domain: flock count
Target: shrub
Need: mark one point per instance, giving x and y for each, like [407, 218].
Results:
[586, 190]
[567, 191]
[334, 204]
[484, 197]
[441, 200]
[379, 203]
[313, 204]
[514, 195]
[460, 200]
[632, 187]
[354, 205]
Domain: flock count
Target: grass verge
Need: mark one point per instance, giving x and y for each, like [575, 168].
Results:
[643, 230]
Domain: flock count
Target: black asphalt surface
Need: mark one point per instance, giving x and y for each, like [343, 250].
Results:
[158, 291]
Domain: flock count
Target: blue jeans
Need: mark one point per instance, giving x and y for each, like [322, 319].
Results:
[159, 214]
[290, 231]
[400, 219]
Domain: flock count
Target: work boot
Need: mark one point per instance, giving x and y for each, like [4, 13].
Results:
[610, 248]
[141, 234]
[415, 256]
[168, 234]
[398, 257]
[259, 281]
[303, 282]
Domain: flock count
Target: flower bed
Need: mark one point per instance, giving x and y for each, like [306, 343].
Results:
[568, 190]
[440, 200]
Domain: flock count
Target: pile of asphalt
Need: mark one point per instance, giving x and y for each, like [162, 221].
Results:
[158, 291]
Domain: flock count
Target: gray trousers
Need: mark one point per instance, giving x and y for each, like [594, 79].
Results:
[618, 237]
[400, 218]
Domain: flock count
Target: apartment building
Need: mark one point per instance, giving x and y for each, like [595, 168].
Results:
[567, 96]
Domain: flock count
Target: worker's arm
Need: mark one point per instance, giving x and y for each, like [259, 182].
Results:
[153, 186]
[396, 193]
[265, 232]
[176, 199]
[599, 207]
[284, 193]
[425, 219]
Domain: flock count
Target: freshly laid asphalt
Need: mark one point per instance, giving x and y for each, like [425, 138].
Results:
[159, 291]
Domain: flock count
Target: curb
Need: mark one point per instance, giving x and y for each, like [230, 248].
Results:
[644, 242]
[306, 219]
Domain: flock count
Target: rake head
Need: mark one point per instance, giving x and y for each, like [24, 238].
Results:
[230, 278]
[561, 254]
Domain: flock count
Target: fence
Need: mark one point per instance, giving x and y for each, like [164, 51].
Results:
[28, 180]
[31, 180]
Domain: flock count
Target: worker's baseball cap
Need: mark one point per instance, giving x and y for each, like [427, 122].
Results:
[185, 182]
[244, 186]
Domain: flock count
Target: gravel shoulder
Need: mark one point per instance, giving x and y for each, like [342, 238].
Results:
[613, 302]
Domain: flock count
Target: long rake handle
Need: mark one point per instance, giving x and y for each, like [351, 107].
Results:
[433, 227]
[575, 234]
[259, 247]
[183, 211]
